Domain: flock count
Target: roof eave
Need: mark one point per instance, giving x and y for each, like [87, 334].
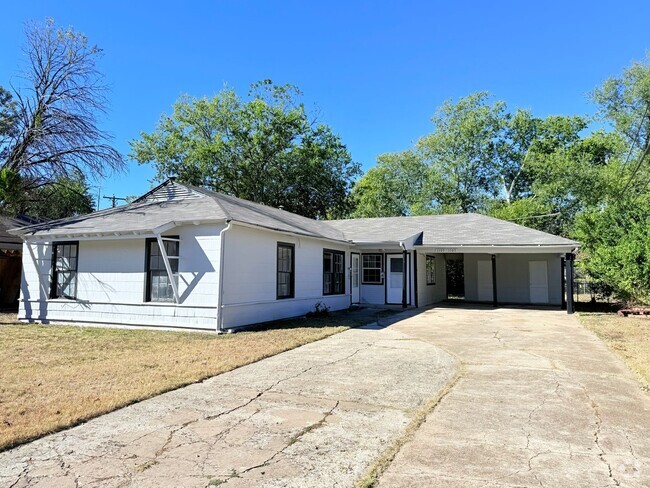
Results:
[130, 234]
[500, 248]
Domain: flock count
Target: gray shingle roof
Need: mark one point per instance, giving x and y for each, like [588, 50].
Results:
[10, 241]
[175, 202]
[447, 230]
[180, 203]
[252, 213]
[6, 238]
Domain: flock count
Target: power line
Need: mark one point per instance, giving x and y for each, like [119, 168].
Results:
[554, 214]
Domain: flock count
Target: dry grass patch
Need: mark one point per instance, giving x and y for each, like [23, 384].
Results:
[54, 377]
[627, 336]
[8, 318]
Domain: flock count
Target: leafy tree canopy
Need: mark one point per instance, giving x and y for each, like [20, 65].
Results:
[66, 196]
[482, 157]
[616, 247]
[265, 148]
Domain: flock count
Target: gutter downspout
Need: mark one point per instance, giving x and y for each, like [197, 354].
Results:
[222, 248]
[401, 244]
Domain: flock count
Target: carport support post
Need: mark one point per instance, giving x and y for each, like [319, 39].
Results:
[569, 282]
[563, 284]
[494, 280]
[404, 283]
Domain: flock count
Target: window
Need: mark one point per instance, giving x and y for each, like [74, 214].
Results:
[159, 286]
[286, 264]
[431, 270]
[333, 272]
[64, 270]
[372, 269]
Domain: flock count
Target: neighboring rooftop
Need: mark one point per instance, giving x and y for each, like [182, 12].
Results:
[177, 204]
[7, 240]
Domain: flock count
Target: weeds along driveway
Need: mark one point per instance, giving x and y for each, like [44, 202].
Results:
[317, 415]
[541, 402]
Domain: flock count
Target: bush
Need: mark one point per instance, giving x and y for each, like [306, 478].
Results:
[616, 248]
[320, 310]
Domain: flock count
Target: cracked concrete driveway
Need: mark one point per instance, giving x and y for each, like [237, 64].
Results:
[315, 416]
[541, 402]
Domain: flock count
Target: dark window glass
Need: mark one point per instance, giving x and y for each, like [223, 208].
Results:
[159, 286]
[431, 270]
[285, 278]
[372, 267]
[64, 270]
[396, 265]
[333, 272]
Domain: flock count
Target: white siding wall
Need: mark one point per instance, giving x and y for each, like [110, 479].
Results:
[250, 273]
[512, 277]
[111, 283]
[372, 294]
[428, 294]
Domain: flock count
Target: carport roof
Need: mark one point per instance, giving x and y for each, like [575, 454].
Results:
[447, 230]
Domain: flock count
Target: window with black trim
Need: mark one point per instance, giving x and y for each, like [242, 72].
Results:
[372, 267]
[333, 272]
[65, 257]
[286, 272]
[159, 287]
[431, 270]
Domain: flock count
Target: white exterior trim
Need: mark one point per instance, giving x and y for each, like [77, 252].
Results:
[460, 249]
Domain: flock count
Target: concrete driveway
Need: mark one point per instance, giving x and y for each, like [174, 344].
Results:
[541, 402]
[316, 416]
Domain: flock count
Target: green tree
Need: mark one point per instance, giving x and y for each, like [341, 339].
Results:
[483, 158]
[624, 101]
[615, 232]
[266, 148]
[395, 187]
[66, 196]
[8, 119]
[616, 247]
[461, 153]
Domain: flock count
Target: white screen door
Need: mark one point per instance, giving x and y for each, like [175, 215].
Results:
[484, 279]
[538, 281]
[395, 279]
[355, 278]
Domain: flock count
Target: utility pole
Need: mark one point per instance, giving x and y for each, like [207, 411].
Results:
[114, 199]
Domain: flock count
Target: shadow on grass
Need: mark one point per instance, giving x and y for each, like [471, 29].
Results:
[598, 307]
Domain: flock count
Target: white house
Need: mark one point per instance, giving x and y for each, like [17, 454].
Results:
[187, 258]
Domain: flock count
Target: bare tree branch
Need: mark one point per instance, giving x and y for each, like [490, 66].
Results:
[56, 129]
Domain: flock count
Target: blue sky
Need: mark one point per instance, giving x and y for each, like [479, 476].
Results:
[375, 70]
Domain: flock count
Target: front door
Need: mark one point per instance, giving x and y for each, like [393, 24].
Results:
[395, 281]
[355, 278]
[484, 279]
[538, 281]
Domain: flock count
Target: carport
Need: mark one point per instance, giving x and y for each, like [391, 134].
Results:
[504, 275]
[408, 260]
